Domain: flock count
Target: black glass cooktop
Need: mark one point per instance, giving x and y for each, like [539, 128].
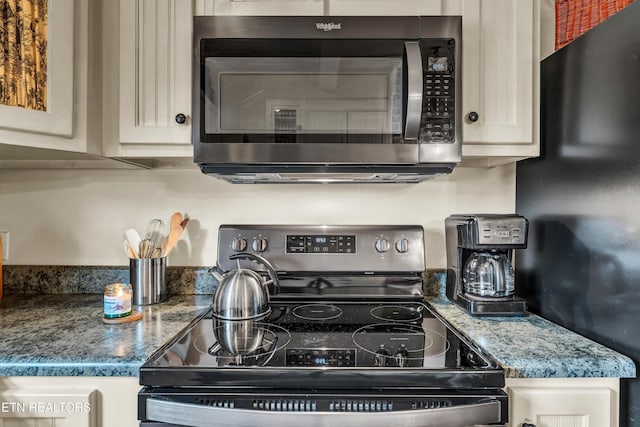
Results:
[337, 345]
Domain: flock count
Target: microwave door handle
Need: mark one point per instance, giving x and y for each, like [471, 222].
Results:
[194, 415]
[414, 90]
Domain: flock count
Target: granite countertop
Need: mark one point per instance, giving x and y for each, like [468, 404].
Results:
[532, 347]
[63, 335]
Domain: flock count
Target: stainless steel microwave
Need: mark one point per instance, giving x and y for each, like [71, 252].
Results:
[328, 98]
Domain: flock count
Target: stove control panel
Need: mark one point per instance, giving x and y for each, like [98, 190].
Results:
[326, 248]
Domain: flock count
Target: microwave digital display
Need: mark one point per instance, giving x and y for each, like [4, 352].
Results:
[437, 64]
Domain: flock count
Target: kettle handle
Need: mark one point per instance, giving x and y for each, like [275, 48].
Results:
[261, 260]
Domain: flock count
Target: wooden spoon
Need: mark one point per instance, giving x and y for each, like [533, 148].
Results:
[174, 234]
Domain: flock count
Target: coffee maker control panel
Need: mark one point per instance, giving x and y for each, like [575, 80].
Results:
[489, 231]
[512, 231]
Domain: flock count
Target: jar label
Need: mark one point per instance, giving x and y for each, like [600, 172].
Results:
[117, 306]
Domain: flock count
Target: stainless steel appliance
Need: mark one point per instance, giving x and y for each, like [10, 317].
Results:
[327, 98]
[348, 340]
[480, 275]
[581, 196]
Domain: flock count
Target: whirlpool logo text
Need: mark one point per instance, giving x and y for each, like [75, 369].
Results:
[328, 26]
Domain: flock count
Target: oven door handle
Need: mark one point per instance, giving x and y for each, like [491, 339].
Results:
[193, 415]
[413, 90]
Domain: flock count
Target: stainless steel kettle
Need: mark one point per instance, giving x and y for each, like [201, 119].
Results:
[243, 294]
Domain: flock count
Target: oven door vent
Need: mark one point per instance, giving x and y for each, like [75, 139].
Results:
[217, 403]
[361, 406]
[285, 405]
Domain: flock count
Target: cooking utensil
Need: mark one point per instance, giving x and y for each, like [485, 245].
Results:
[176, 219]
[146, 248]
[155, 234]
[184, 223]
[174, 233]
[243, 294]
[131, 253]
[134, 241]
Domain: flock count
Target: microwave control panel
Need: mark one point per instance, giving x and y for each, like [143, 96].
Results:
[438, 98]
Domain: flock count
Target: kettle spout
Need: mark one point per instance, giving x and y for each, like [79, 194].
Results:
[216, 273]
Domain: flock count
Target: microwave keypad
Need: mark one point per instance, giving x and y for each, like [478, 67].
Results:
[438, 108]
[438, 105]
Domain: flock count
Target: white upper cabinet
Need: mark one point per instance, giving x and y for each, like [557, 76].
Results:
[384, 7]
[146, 88]
[259, 7]
[500, 77]
[67, 121]
[57, 118]
[155, 71]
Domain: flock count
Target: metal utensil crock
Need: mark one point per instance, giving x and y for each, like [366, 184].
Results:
[243, 294]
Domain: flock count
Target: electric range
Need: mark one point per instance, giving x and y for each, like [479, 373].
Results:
[347, 339]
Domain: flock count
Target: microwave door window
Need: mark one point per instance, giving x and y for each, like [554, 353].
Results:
[353, 99]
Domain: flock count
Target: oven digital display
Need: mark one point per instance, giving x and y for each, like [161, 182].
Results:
[326, 357]
[321, 244]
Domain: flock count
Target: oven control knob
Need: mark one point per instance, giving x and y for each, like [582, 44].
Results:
[401, 357]
[402, 245]
[238, 244]
[382, 245]
[382, 356]
[259, 245]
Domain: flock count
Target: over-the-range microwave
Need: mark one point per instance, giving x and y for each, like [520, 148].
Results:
[327, 99]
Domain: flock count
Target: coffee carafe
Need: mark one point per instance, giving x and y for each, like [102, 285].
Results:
[480, 275]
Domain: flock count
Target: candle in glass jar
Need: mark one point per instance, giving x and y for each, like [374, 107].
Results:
[117, 300]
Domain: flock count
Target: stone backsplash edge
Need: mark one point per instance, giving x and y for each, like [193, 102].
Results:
[46, 279]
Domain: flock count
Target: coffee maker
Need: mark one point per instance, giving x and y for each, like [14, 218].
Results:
[480, 275]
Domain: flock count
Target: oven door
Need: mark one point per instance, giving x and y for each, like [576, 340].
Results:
[271, 90]
[433, 409]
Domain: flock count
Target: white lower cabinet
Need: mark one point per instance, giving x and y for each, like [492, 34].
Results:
[564, 402]
[68, 401]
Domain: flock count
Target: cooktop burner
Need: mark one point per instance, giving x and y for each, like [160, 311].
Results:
[240, 343]
[317, 312]
[397, 313]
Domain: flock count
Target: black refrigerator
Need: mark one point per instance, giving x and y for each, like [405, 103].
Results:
[582, 196]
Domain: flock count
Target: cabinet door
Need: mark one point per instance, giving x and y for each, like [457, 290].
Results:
[57, 119]
[259, 7]
[384, 7]
[155, 71]
[500, 60]
[562, 406]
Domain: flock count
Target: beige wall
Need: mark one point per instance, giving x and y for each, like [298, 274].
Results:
[78, 217]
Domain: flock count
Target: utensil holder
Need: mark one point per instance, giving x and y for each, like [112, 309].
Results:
[148, 277]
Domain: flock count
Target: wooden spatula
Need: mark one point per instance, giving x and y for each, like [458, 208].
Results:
[174, 234]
